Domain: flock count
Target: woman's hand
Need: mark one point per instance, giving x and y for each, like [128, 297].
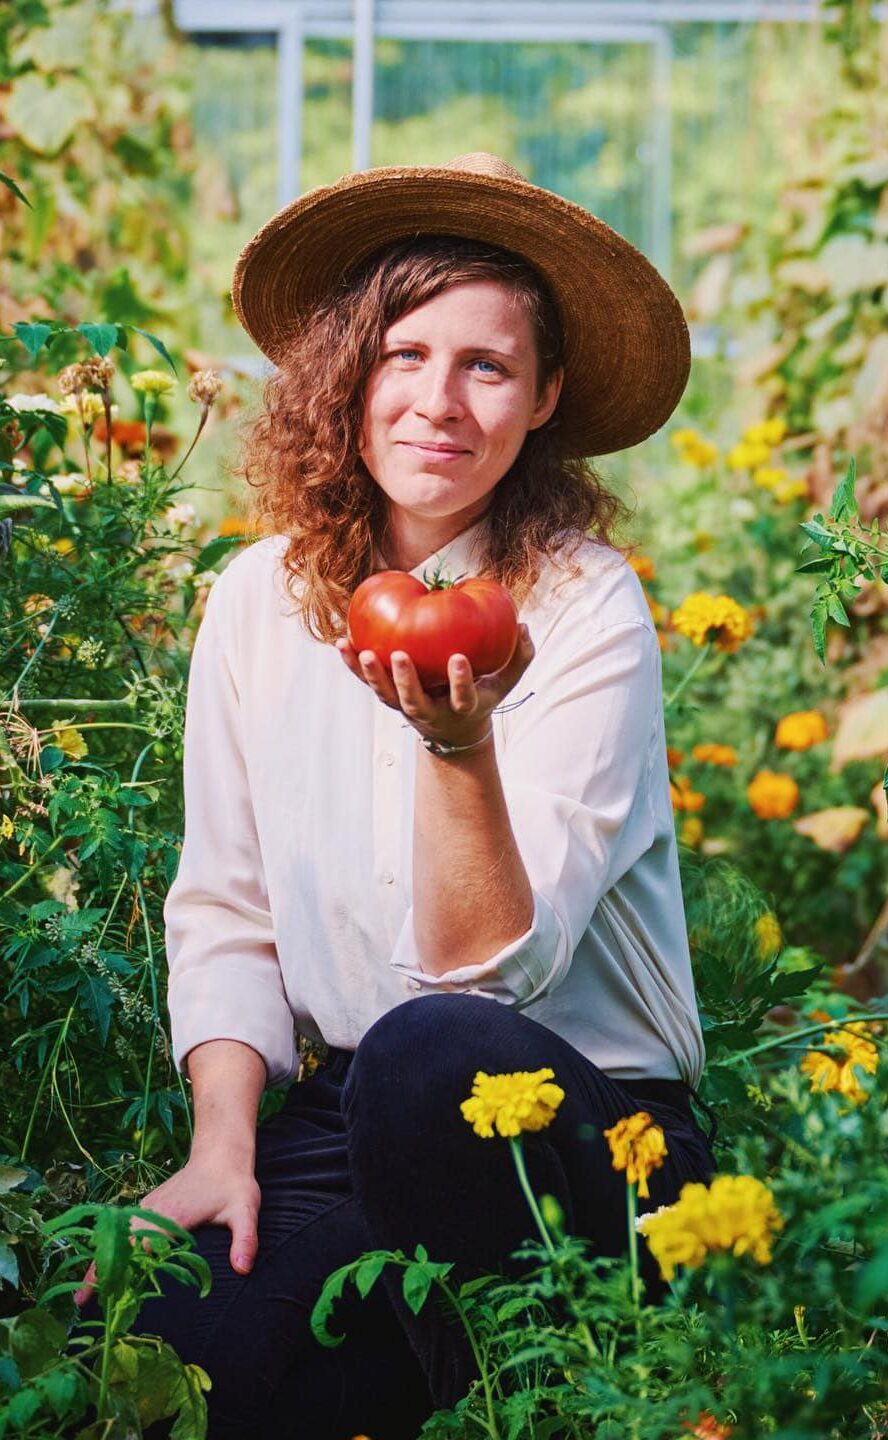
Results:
[209, 1189]
[457, 712]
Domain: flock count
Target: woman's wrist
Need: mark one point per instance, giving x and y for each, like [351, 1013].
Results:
[444, 748]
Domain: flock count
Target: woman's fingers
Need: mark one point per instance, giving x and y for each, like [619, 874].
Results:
[244, 1239]
[89, 1280]
[83, 1294]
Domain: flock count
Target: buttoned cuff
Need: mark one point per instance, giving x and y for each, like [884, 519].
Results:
[520, 972]
[222, 1002]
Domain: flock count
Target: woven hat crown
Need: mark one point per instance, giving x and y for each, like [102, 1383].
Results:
[627, 347]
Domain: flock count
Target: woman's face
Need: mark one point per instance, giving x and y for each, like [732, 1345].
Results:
[450, 400]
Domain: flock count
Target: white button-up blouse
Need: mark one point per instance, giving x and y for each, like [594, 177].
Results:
[291, 906]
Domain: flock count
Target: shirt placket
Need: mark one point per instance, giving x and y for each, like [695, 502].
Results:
[387, 782]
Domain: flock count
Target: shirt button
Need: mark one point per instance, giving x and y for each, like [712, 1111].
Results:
[387, 877]
[387, 758]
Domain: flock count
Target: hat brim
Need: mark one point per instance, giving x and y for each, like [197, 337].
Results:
[627, 347]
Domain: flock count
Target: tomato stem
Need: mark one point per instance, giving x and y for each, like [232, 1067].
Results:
[439, 581]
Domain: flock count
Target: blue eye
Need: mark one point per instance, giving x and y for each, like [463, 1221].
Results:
[494, 368]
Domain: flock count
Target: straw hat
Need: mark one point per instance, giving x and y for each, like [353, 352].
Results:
[627, 348]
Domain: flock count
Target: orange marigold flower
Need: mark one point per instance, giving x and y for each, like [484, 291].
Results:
[706, 1427]
[673, 757]
[643, 566]
[683, 796]
[715, 754]
[772, 796]
[800, 730]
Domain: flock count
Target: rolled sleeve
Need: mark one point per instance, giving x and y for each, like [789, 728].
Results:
[225, 979]
[576, 774]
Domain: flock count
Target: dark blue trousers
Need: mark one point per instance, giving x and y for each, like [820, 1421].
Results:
[370, 1152]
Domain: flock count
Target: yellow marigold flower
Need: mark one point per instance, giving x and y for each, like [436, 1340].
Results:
[68, 739]
[64, 546]
[766, 432]
[772, 796]
[693, 447]
[768, 935]
[701, 617]
[800, 730]
[692, 830]
[767, 476]
[735, 1213]
[748, 456]
[7, 829]
[827, 1072]
[673, 757]
[234, 525]
[715, 754]
[524, 1100]
[703, 540]
[638, 1146]
[152, 382]
[643, 566]
[87, 405]
[793, 488]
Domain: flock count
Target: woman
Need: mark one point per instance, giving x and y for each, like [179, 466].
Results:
[502, 896]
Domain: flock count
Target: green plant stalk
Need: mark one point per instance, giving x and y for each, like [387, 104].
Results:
[200, 425]
[32, 658]
[54, 703]
[777, 1040]
[631, 1216]
[53, 845]
[518, 1157]
[63, 1030]
[143, 1123]
[689, 674]
[492, 1426]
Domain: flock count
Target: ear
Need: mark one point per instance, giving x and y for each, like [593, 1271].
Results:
[547, 400]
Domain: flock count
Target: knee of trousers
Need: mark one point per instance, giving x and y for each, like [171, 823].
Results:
[430, 1048]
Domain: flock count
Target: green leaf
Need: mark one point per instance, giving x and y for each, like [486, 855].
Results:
[818, 533]
[417, 1283]
[368, 1272]
[810, 567]
[818, 627]
[215, 549]
[36, 1338]
[46, 115]
[836, 611]
[10, 1177]
[102, 338]
[112, 1251]
[32, 335]
[158, 345]
[323, 1307]
[9, 1270]
[11, 185]
[844, 501]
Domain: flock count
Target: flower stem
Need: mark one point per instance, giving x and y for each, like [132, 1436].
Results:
[518, 1157]
[689, 674]
[479, 1358]
[631, 1215]
[200, 425]
[777, 1040]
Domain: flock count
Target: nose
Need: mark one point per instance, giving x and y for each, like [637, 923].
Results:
[438, 398]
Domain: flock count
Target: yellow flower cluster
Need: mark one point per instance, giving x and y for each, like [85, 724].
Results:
[683, 797]
[826, 1072]
[767, 477]
[735, 1213]
[68, 739]
[800, 730]
[637, 1146]
[756, 443]
[768, 935]
[152, 382]
[692, 830]
[715, 754]
[773, 796]
[693, 448]
[7, 829]
[86, 406]
[524, 1100]
[701, 616]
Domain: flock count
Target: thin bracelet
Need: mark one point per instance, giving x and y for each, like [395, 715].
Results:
[443, 747]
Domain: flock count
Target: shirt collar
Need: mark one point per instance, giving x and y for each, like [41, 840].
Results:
[460, 556]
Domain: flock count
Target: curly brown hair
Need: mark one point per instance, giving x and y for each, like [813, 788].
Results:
[300, 454]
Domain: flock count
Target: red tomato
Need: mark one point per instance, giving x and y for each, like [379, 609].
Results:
[393, 610]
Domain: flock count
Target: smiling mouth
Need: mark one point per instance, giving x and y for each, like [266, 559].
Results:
[432, 449]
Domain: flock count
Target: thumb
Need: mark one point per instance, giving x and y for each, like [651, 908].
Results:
[244, 1240]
